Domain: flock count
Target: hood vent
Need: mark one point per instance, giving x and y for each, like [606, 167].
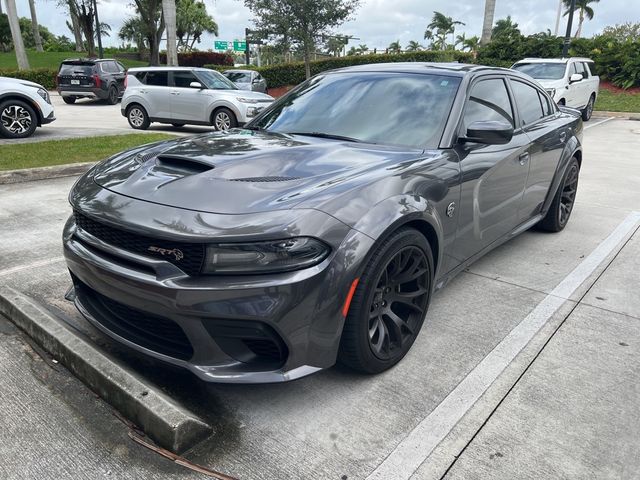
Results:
[264, 179]
[182, 164]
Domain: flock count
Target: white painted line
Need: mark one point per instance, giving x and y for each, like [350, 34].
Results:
[40, 263]
[599, 123]
[409, 454]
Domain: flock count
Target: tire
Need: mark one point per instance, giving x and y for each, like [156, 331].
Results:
[223, 119]
[69, 100]
[588, 110]
[178, 125]
[112, 96]
[372, 341]
[137, 117]
[17, 119]
[563, 201]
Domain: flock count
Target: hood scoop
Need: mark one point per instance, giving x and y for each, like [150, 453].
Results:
[263, 179]
[181, 164]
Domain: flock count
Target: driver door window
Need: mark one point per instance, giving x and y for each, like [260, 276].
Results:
[182, 79]
[489, 100]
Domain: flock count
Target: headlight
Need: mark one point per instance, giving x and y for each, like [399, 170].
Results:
[253, 111]
[45, 95]
[246, 100]
[551, 92]
[264, 257]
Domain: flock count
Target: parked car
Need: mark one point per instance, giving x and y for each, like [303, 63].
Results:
[320, 230]
[185, 95]
[569, 81]
[101, 79]
[24, 106]
[247, 80]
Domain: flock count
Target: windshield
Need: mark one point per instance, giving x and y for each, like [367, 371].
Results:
[388, 108]
[542, 71]
[215, 80]
[238, 77]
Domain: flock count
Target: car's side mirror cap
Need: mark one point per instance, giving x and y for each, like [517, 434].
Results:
[196, 85]
[489, 132]
[576, 77]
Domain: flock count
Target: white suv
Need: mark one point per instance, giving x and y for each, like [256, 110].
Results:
[24, 106]
[181, 95]
[569, 81]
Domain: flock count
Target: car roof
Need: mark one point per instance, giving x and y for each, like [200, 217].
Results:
[88, 60]
[455, 69]
[164, 67]
[554, 60]
[241, 70]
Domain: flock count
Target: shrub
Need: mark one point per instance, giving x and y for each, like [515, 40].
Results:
[293, 73]
[199, 59]
[44, 76]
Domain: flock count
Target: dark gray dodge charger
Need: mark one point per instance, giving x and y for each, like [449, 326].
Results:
[319, 231]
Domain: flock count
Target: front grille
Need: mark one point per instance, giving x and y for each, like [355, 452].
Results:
[189, 257]
[156, 333]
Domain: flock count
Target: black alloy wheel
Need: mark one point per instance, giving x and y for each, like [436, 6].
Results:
[563, 202]
[112, 99]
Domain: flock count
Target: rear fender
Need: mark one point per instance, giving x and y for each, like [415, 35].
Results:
[571, 148]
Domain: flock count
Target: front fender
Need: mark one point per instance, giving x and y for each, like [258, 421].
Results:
[227, 104]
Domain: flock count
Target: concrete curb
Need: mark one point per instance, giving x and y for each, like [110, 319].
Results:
[624, 115]
[162, 419]
[43, 173]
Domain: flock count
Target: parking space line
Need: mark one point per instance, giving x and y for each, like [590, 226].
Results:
[414, 449]
[39, 263]
[599, 123]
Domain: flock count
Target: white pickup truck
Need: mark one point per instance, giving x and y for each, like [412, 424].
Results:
[569, 81]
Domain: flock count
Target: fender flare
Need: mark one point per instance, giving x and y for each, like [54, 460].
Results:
[572, 148]
[225, 104]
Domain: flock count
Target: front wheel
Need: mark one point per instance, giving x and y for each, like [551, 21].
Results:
[138, 118]
[389, 304]
[223, 119]
[17, 119]
[562, 205]
[588, 110]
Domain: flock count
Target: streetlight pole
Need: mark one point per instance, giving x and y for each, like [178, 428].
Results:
[567, 36]
[99, 36]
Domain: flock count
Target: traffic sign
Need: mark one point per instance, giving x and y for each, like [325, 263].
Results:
[220, 45]
[239, 46]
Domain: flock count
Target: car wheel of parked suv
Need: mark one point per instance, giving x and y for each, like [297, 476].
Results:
[224, 119]
[69, 100]
[389, 304]
[138, 117]
[112, 99]
[17, 119]
[588, 110]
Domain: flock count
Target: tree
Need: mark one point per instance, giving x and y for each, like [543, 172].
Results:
[442, 26]
[27, 33]
[132, 30]
[169, 15]
[71, 7]
[413, 46]
[16, 36]
[152, 23]
[192, 21]
[303, 20]
[472, 45]
[335, 45]
[395, 47]
[34, 25]
[5, 33]
[505, 29]
[362, 49]
[487, 24]
[583, 9]
[625, 32]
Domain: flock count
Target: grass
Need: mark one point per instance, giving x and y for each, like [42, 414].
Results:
[618, 102]
[59, 152]
[53, 59]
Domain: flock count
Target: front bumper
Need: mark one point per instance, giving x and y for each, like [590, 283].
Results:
[232, 329]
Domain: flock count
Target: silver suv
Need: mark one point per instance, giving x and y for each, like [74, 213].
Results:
[24, 106]
[185, 95]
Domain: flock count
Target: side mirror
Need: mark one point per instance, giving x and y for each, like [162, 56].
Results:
[196, 85]
[489, 132]
[255, 80]
[576, 77]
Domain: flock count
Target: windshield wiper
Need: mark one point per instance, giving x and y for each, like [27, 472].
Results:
[327, 135]
[253, 127]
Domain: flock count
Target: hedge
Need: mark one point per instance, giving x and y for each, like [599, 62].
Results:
[294, 73]
[44, 76]
[198, 59]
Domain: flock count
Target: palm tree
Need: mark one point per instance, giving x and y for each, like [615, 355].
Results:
[505, 28]
[472, 44]
[335, 45]
[460, 39]
[36, 28]
[395, 47]
[18, 45]
[583, 9]
[169, 14]
[442, 25]
[487, 24]
[362, 49]
[413, 46]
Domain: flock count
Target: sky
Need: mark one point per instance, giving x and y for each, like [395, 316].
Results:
[376, 23]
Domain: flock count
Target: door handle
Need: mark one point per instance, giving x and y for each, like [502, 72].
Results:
[175, 93]
[524, 158]
[563, 136]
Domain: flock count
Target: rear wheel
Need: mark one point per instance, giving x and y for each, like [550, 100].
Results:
[560, 210]
[138, 117]
[588, 110]
[112, 98]
[223, 119]
[17, 119]
[69, 100]
[389, 305]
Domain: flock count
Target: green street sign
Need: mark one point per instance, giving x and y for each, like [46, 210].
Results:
[239, 46]
[220, 45]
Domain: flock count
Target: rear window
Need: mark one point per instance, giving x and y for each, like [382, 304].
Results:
[76, 69]
[159, 79]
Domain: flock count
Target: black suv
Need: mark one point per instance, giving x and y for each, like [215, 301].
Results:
[87, 78]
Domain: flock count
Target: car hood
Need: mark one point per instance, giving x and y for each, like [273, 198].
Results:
[257, 96]
[551, 83]
[18, 81]
[244, 171]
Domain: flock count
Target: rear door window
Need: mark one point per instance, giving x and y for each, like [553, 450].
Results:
[158, 79]
[528, 101]
[488, 100]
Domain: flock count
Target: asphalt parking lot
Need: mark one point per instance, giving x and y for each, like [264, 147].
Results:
[527, 365]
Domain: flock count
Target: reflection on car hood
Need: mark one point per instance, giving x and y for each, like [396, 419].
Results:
[243, 171]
